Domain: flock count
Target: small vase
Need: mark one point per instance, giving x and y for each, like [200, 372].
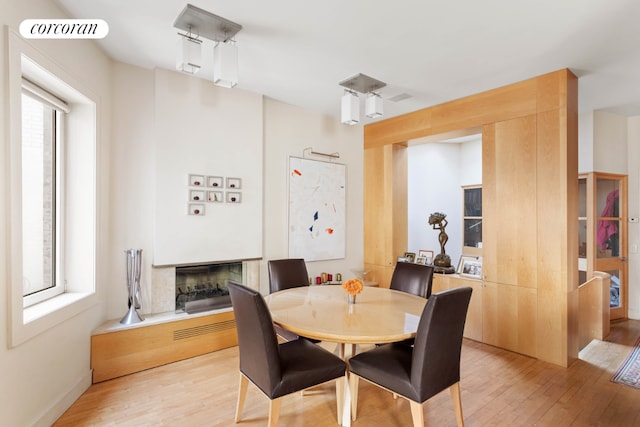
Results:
[352, 299]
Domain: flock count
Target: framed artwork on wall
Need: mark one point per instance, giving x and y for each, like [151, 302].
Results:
[317, 209]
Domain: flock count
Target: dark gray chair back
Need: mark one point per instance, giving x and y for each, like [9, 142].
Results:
[416, 279]
[287, 273]
[259, 358]
[435, 364]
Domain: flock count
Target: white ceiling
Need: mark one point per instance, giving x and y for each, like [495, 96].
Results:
[297, 51]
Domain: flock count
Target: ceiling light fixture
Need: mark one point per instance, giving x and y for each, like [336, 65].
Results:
[189, 58]
[373, 105]
[221, 31]
[225, 64]
[350, 111]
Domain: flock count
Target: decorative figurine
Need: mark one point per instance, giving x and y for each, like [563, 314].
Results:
[442, 261]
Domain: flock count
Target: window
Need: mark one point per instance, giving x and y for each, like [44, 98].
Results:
[53, 121]
[42, 178]
[472, 219]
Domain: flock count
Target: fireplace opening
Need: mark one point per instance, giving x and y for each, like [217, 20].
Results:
[204, 287]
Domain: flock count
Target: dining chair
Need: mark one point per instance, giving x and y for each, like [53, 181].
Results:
[277, 369]
[416, 279]
[286, 274]
[423, 370]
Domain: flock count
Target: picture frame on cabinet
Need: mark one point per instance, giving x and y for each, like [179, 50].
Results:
[421, 260]
[470, 266]
[427, 254]
[410, 256]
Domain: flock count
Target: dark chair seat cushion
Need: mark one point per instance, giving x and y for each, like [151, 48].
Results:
[304, 364]
[389, 366]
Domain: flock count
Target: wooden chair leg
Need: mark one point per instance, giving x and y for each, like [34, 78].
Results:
[242, 393]
[274, 411]
[353, 389]
[340, 397]
[457, 403]
[417, 413]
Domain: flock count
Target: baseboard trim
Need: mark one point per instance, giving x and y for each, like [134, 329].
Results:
[51, 414]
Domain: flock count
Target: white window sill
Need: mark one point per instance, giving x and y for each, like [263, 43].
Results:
[52, 305]
[29, 322]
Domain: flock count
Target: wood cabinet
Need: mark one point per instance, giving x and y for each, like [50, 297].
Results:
[473, 325]
[117, 350]
[499, 315]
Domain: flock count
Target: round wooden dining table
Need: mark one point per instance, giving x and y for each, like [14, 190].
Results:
[322, 312]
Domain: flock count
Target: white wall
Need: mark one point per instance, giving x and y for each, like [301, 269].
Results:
[44, 375]
[288, 132]
[436, 172]
[609, 143]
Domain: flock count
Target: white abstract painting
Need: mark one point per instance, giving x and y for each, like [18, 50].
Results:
[317, 202]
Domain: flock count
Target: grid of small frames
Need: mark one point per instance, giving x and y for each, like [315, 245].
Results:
[208, 189]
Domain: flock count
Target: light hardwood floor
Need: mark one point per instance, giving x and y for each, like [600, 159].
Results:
[499, 388]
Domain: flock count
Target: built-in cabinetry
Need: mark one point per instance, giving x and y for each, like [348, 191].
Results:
[529, 295]
[499, 314]
[602, 234]
[118, 350]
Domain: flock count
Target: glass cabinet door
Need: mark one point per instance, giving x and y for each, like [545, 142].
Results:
[602, 234]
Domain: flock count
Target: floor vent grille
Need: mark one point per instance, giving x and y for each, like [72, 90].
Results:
[203, 330]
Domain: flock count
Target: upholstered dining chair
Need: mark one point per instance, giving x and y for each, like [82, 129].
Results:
[416, 279]
[285, 274]
[423, 370]
[277, 369]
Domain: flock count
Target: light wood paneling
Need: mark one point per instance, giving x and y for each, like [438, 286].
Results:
[594, 309]
[122, 352]
[529, 206]
[515, 197]
[385, 201]
[473, 324]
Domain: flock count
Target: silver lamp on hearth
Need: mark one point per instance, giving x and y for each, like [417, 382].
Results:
[134, 267]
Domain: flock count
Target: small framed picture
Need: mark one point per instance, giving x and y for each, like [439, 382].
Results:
[427, 255]
[410, 256]
[196, 180]
[470, 266]
[402, 259]
[421, 260]
[215, 196]
[214, 181]
[233, 197]
[196, 195]
[234, 183]
[195, 209]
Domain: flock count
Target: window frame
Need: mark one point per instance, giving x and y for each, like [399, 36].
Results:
[80, 194]
[59, 109]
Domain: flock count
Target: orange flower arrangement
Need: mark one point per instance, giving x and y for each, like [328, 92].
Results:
[352, 286]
